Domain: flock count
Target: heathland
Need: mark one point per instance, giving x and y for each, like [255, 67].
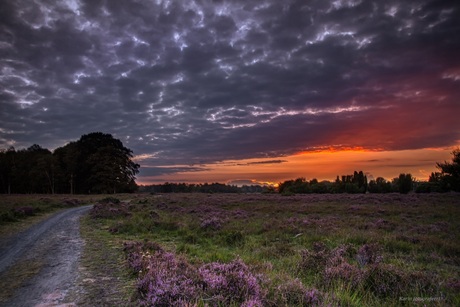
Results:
[273, 250]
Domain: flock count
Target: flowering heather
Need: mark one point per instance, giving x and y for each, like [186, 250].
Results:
[230, 283]
[370, 249]
[294, 293]
[110, 210]
[211, 223]
[344, 272]
[333, 265]
[369, 254]
[313, 297]
[314, 260]
[168, 280]
[384, 280]
[370, 273]
[136, 253]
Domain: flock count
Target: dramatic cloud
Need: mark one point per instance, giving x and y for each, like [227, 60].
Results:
[187, 83]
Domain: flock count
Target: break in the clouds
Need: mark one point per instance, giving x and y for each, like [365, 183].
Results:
[199, 81]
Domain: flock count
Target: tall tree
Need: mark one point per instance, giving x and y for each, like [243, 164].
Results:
[67, 160]
[404, 183]
[106, 166]
[450, 172]
[7, 161]
[96, 163]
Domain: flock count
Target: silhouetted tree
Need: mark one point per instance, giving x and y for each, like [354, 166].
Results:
[105, 165]
[7, 162]
[379, 185]
[298, 186]
[356, 183]
[403, 183]
[450, 172]
[68, 162]
[97, 163]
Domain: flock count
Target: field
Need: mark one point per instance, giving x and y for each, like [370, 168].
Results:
[273, 250]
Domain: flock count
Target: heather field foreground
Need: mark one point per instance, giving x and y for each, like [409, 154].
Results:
[273, 250]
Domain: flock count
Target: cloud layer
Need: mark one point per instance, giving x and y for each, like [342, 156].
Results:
[194, 82]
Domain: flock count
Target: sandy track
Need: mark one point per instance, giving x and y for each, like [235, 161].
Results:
[57, 244]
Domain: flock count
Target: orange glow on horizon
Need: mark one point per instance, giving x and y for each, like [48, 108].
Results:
[321, 164]
[335, 149]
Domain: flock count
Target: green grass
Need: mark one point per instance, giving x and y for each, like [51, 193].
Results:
[39, 207]
[418, 236]
[103, 279]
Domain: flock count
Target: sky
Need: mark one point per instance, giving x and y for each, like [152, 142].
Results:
[239, 91]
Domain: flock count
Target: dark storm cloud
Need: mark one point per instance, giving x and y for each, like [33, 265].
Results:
[156, 171]
[204, 81]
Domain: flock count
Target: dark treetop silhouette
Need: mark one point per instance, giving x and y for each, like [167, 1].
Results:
[96, 163]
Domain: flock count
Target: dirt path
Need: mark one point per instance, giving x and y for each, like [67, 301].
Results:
[54, 243]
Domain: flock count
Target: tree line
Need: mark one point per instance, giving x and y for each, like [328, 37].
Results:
[96, 163]
[169, 187]
[352, 184]
[99, 163]
[447, 179]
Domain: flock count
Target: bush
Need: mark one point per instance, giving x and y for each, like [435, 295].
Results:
[314, 260]
[384, 280]
[212, 223]
[369, 254]
[106, 209]
[294, 293]
[168, 280]
[109, 200]
[428, 187]
[230, 283]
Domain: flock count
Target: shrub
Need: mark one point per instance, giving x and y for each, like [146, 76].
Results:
[137, 251]
[369, 254]
[109, 200]
[384, 280]
[314, 260]
[109, 210]
[313, 297]
[334, 265]
[344, 272]
[230, 283]
[212, 223]
[168, 280]
[294, 293]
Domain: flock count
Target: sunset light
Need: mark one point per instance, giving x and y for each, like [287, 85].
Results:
[229, 153]
[237, 91]
[321, 164]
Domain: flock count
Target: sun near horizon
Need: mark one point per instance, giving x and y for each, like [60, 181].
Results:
[321, 164]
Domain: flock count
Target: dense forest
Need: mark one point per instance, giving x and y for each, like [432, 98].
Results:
[96, 163]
